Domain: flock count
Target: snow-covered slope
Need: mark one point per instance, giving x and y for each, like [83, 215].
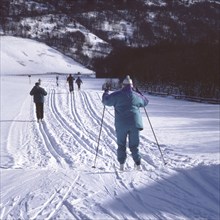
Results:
[46, 169]
[25, 56]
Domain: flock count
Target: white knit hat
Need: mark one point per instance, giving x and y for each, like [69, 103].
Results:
[127, 80]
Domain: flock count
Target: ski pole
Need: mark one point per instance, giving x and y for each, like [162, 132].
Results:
[155, 136]
[97, 148]
[137, 90]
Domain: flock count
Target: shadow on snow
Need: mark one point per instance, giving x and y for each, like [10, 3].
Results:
[190, 193]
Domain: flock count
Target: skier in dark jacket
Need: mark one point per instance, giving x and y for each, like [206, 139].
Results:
[57, 80]
[38, 93]
[128, 120]
[79, 82]
[70, 80]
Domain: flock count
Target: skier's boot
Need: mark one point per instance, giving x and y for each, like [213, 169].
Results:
[121, 167]
[137, 166]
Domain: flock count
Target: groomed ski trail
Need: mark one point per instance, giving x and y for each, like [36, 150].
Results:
[53, 161]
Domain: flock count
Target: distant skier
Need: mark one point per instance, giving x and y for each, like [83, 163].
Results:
[39, 81]
[29, 76]
[57, 82]
[128, 120]
[38, 93]
[70, 80]
[79, 82]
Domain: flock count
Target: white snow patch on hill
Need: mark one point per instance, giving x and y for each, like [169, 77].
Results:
[25, 56]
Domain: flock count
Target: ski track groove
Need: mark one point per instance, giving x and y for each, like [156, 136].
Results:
[107, 130]
[13, 205]
[64, 142]
[75, 102]
[50, 147]
[61, 198]
[93, 114]
[80, 104]
[76, 135]
[38, 141]
[80, 101]
[16, 135]
[64, 197]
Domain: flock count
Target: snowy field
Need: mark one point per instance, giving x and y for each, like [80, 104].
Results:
[46, 169]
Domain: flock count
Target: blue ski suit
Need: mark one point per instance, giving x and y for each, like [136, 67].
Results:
[128, 120]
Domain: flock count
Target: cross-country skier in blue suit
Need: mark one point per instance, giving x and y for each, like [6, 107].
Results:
[128, 120]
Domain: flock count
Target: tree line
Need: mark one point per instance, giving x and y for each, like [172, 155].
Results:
[194, 66]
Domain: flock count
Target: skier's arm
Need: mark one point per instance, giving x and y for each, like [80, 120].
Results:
[145, 100]
[44, 92]
[32, 91]
[108, 99]
[143, 97]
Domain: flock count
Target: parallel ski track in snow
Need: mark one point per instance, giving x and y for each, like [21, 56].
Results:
[57, 199]
[58, 119]
[108, 141]
[60, 199]
[83, 104]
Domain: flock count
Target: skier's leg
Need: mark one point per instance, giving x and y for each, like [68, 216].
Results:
[42, 110]
[121, 141]
[71, 87]
[133, 145]
[38, 110]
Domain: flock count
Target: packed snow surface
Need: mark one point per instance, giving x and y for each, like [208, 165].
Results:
[46, 168]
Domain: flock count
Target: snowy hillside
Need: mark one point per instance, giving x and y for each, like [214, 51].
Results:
[46, 169]
[87, 30]
[25, 56]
